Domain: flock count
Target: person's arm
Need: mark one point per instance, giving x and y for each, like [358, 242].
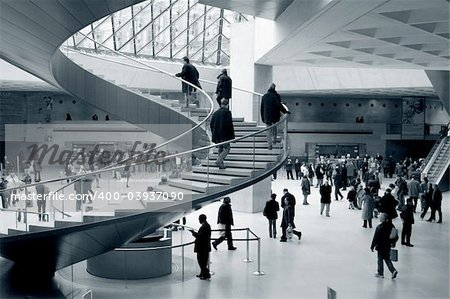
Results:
[183, 72]
[375, 239]
[219, 85]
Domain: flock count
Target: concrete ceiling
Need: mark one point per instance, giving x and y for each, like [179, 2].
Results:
[267, 9]
[383, 34]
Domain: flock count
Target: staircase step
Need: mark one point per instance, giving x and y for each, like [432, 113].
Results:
[262, 158]
[248, 128]
[250, 145]
[257, 138]
[228, 171]
[249, 151]
[195, 186]
[244, 124]
[213, 178]
[62, 223]
[38, 228]
[15, 232]
[237, 164]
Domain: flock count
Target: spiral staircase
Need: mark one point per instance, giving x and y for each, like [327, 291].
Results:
[31, 35]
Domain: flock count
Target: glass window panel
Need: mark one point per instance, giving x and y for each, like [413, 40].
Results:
[83, 42]
[163, 35]
[142, 23]
[124, 30]
[103, 30]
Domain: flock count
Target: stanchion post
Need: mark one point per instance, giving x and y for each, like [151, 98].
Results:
[259, 272]
[182, 257]
[248, 259]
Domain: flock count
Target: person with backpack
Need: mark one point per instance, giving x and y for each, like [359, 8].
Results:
[383, 239]
[271, 213]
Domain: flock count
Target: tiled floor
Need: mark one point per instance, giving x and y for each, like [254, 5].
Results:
[334, 252]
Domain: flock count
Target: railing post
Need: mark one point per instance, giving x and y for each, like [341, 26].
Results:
[259, 272]
[248, 259]
[182, 257]
[254, 140]
[207, 169]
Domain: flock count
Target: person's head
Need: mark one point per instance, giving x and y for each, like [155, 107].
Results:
[272, 86]
[409, 200]
[226, 200]
[325, 182]
[185, 60]
[202, 218]
[435, 186]
[285, 190]
[225, 102]
[388, 191]
[391, 186]
[383, 217]
[273, 196]
[367, 190]
[224, 71]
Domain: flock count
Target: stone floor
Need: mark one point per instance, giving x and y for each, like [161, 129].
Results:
[334, 252]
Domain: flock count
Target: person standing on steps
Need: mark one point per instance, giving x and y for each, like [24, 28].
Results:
[382, 243]
[287, 223]
[271, 212]
[306, 189]
[222, 130]
[224, 87]
[190, 74]
[225, 220]
[271, 107]
[203, 246]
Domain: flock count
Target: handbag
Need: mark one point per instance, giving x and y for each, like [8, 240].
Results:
[289, 231]
[393, 255]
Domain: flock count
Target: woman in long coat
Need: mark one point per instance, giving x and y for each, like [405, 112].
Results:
[368, 205]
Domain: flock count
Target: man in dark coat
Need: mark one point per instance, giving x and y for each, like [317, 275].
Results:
[382, 243]
[288, 204]
[222, 130]
[388, 203]
[190, 74]
[407, 216]
[225, 219]
[271, 212]
[436, 204]
[203, 246]
[271, 107]
[224, 86]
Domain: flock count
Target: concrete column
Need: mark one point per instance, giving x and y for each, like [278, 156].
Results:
[252, 199]
[245, 73]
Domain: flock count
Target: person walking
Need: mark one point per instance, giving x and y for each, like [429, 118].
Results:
[224, 87]
[368, 205]
[428, 200]
[414, 191]
[225, 220]
[288, 167]
[407, 215]
[297, 168]
[306, 189]
[382, 243]
[190, 74]
[338, 184]
[436, 204]
[325, 198]
[222, 130]
[271, 212]
[202, 246]
[287, 223]
[320, 171]
[271, 107]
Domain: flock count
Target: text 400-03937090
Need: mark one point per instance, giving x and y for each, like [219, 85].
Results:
[155, 195]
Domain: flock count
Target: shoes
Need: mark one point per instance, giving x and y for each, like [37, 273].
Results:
[429, 220]
[379, 275]
[440, 221]
[403, 243]
[328, 215]
[321, 213]
[283, 240]
[299, 235]
[306, 204]
[409, 244]
[394, 274]
[222, 166]
[214, 246]
[232, 248]
[365, 226]
[199, 275]
[205, 277]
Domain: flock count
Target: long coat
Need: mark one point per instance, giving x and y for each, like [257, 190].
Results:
[222, 125]
[271, 107]
[190, 74]
[271, 209]
[224, 86]
[203, 239]
[225, 215]
[325, 194]
[381, 241]
[368, 205]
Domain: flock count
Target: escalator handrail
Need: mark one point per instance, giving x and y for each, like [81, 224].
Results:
[434, 156]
